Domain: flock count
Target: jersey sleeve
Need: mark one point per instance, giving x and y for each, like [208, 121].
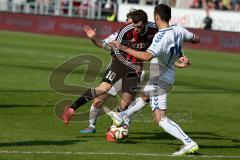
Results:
[109, 39]
[154, 48]
[122, 33]
[121, 37]
[187, 35]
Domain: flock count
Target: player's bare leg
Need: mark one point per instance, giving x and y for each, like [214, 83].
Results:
[93, 114]
[92, 93]
[126, 99]
[137, 105]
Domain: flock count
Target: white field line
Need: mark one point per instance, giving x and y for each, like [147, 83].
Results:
[112, 153]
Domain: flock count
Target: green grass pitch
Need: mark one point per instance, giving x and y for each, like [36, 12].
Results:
[205, 102]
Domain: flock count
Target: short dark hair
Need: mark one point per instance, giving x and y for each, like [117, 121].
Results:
[129, 14]
[139, 15]
[164, 11]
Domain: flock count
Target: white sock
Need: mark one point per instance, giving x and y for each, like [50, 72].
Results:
[136, 106]
[172, 128]
[127, 121]
[93, 116]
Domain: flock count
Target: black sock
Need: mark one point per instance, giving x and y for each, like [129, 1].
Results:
[86, 97]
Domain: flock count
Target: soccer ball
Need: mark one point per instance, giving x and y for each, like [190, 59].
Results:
[119, 133]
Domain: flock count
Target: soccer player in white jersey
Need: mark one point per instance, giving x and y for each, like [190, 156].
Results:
[98, 101]
[166, 46]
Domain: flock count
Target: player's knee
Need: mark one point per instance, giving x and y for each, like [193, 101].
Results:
[145, 98]
[123, 105]
[97, 103]
[162, 121]
[103, 88]
[160, 117]
[156, 120]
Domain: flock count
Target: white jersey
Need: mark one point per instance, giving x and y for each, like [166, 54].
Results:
[108, 40]
[167, 48]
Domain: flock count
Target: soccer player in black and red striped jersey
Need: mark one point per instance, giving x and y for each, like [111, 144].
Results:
[98, 101]
[138, 36]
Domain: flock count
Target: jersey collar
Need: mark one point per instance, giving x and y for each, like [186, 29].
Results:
[165, 29]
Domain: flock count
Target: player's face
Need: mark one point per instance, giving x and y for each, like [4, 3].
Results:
[139, 27]
[129, 20]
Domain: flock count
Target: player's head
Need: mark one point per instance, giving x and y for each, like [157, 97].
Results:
[162, 13]
[139, 20]
[129, 16]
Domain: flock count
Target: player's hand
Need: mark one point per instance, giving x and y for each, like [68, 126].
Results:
[115, 44]
[183, 62]
[91, 33]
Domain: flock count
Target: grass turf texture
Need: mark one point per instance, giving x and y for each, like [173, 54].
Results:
[205, 103]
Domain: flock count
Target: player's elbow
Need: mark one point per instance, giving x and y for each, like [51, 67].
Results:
[147, 57]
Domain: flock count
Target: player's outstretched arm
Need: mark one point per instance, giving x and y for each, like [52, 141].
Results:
[145, 56]
[91, 34]
[195, 40]
[189, 36]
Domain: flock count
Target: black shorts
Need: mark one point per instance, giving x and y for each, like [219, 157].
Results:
[130, 79]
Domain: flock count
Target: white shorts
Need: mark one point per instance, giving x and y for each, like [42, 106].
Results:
[157, 93]
[118, 85]
[158, 101]
[158, 87]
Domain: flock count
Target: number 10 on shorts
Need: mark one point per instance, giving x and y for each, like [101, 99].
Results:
[111, 75]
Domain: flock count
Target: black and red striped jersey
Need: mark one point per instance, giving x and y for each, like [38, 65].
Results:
[127, 36]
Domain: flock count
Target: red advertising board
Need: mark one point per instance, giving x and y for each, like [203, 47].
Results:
[217, 40]
[210, 40]
[55, 24]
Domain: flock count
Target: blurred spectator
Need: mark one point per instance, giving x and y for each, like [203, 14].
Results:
[237, 6]
[64, 6]
[106, 9]
[51, 7]
[76, 7]
[131, 1]
[198, 4]
[83, 8]
[111, 8]
[151, 2]
[215, 4]
[225, 5]
[207, 21]
[234, 3]
[210, 4]
[19, 5]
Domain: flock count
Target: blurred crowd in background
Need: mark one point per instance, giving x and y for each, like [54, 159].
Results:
[105, 9]
[231, 5]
